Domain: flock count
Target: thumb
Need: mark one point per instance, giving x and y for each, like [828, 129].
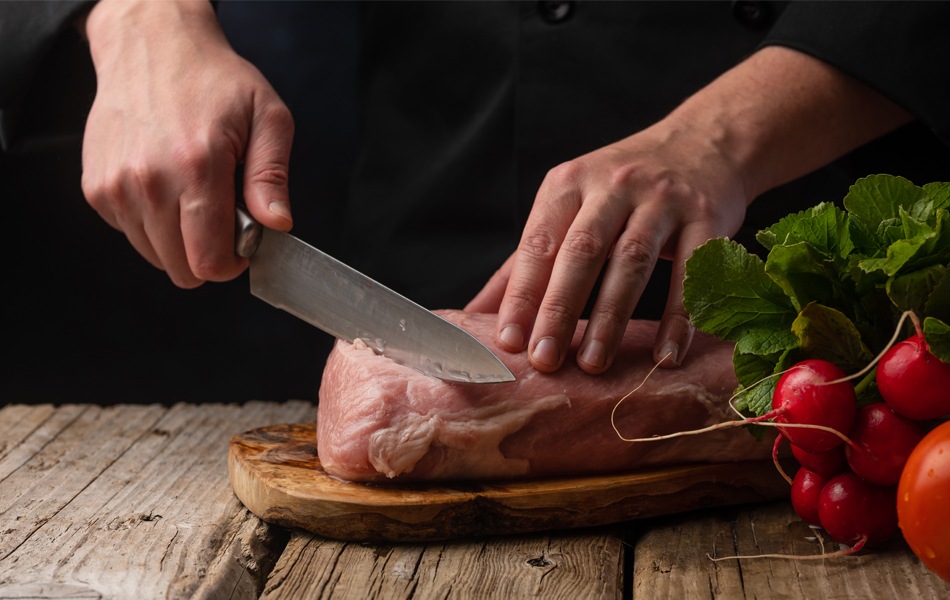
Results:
[266, 166]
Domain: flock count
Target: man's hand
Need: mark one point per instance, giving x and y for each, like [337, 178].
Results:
[176, 111]
[664, 191]
[657, 194]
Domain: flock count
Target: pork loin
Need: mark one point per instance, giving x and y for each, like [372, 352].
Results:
[378, 420]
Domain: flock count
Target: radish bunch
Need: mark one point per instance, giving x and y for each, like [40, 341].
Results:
[832, 277]
[847, 483]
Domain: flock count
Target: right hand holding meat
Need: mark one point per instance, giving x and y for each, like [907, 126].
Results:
[176, 111]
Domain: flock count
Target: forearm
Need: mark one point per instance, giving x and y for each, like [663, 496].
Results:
[112, 25]
[782, 114]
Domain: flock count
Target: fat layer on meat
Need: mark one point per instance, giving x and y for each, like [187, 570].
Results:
[379, 420]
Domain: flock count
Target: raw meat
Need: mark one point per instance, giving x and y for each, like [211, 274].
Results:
[377, 419]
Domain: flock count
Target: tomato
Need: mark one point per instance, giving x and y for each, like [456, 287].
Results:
[923, 497]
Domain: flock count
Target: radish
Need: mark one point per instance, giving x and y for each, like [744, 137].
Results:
[858, 513]
[914, 382]
[806, 491]
[882, 441]
[813, 406]
[828, 463]
[803, 395]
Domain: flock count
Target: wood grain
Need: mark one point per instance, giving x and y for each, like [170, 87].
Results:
[671, 561]
[276, 473]
[568, 565]
[130, 502]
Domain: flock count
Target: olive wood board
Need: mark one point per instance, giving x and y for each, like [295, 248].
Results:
[276, 473]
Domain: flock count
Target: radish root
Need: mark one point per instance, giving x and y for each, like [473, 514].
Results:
[893, 340]
[775, 461]
[858, 546]
[727, 424]
[760, 420]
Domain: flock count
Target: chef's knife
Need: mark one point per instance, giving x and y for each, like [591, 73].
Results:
[294, 276]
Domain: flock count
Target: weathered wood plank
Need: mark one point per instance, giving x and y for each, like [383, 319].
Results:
[17, 422]
[670, 561]
[571, 565]
[134, 502]
[25, 429]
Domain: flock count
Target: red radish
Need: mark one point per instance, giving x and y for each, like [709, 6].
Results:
[828, 463]
[882, 442]
[914, 382]
[806, 490]
[803, 396]
[855, 512]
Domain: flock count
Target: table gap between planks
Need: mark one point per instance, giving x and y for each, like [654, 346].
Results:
[133, 501]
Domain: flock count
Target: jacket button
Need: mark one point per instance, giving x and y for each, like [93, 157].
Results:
[752, 14]
[555, 11]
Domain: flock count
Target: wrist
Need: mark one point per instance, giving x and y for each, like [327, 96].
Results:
[110, 22]
[782, 114]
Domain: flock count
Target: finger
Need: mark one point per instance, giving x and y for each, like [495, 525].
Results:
[579, 263]
[162, 226]
[488, 299]
[151, 219]
[675, 334]
[139, 239]
[114, 199]
[266, 166]
[629, 268]
[207, 218]
[555, 208]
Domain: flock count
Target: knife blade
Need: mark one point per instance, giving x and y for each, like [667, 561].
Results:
[294, 276]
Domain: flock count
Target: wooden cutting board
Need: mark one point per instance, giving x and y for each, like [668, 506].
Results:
[276, 473]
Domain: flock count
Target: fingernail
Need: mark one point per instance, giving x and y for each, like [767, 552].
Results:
[546, 352]
[513, 337]
[677, 334]
[280, 208]
[670, 349]
[594, 354]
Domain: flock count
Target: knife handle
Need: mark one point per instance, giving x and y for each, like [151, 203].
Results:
[247, 232]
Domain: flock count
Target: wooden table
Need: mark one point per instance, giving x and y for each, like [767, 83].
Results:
[134, 502]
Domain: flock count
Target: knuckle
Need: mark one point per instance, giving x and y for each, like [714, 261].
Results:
[539, 245]
[559, 310]
[207, 267]
[270, 173]
[192, 158]
[566, 174]
[612, 314]
[635, 254]
[585, 245]
[622, 177]
[522, 300]
[144, 177]
[104, 194]
[279, 116]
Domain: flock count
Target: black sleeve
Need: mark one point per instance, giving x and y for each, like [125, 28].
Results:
[28, 31]
[899, 48]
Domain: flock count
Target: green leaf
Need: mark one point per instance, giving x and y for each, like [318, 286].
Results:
[938, 305]
[754, 372]
[922, 246]
[803, 273]
[828, 334]
[824, 227]
[939, 192]
[876, 199]
[937, 334]
[912, 291]
[728, 295]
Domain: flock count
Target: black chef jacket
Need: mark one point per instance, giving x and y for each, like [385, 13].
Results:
[458, 111]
